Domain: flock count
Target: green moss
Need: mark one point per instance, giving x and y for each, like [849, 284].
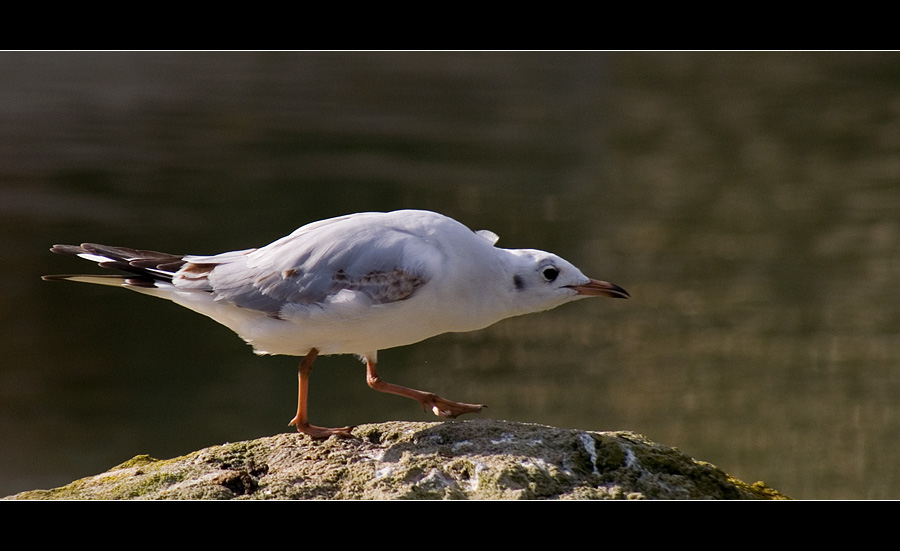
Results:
[136, 461]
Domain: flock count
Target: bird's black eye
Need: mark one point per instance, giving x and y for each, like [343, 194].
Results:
[549, 273]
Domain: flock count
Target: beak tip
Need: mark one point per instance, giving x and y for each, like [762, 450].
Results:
[617, 292]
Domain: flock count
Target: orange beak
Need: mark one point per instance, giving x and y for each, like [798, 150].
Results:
[595, 287]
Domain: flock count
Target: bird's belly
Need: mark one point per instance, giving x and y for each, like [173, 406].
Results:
[344, 328]
[361, 336]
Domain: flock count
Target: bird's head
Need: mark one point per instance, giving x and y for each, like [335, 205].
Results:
[540, 281]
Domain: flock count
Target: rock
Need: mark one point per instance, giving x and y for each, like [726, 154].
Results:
[478, 459]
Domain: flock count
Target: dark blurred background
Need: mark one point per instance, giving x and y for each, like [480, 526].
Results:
[750, 202]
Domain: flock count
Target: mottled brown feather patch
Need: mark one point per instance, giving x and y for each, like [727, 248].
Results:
[382, 287]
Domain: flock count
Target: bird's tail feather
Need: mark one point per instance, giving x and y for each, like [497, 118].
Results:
[145, 268]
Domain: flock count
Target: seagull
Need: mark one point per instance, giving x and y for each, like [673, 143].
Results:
[354, 284]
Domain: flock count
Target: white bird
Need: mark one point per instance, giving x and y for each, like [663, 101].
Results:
[354, 284]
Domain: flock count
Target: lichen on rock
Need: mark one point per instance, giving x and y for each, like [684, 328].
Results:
[477, 459]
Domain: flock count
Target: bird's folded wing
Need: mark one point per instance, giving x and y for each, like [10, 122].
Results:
[310, 267]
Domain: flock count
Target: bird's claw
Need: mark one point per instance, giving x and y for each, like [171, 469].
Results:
[321, 433]
[448, 408]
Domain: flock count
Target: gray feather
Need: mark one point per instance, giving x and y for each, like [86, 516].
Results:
[314, 263]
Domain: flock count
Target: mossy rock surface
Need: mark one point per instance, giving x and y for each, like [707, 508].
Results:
[477, 459]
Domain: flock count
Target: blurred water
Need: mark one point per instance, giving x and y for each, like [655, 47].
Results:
[749, 202]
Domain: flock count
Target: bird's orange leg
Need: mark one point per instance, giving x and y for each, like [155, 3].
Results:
[300, 420]
[429, 401]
